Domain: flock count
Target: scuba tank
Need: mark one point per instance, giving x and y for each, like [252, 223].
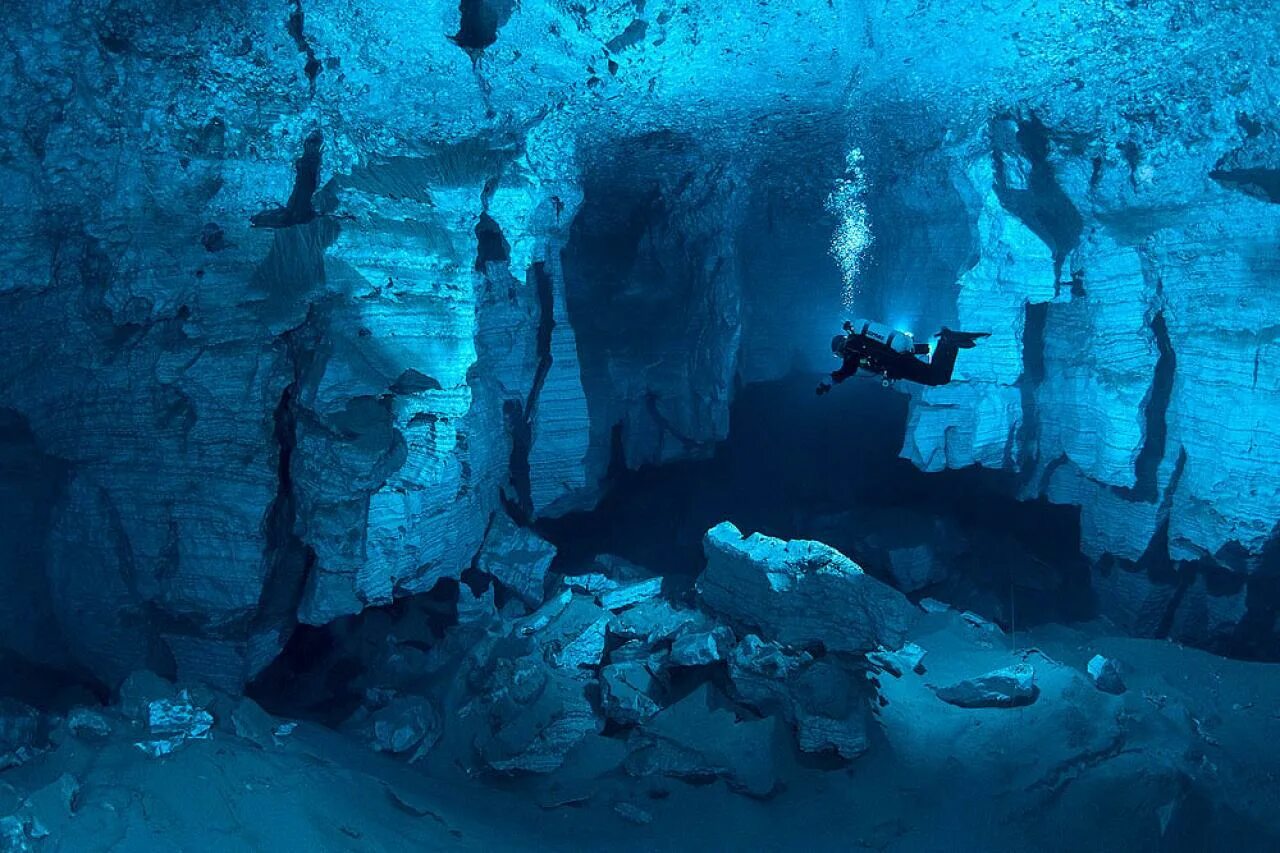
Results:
[900, 342]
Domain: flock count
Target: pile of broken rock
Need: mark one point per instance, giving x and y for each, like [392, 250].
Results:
[593, 684]
[598, 679]
[600, 684]
[155, 716]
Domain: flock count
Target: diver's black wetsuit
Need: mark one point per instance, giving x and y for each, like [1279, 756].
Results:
[854, 353]
[938, 369]
[851, 351]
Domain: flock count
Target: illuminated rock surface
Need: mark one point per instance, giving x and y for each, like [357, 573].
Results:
[301, 325]
[1173, 763]
[1001, 688]
[312, 287]
[343, 343]
[802, 593]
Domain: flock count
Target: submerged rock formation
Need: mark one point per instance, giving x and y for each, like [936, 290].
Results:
[1099, 219]
[298, 298]
[801, 593]
[1002, 688]
[316, 317]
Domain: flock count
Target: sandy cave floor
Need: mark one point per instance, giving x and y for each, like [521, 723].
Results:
[1186, 757]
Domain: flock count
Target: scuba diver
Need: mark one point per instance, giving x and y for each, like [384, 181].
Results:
[895, 355]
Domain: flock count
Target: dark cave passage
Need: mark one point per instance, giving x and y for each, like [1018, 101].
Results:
[480, 22]
[798, 466]
[35, 664]
[794, 466]
[491, 245]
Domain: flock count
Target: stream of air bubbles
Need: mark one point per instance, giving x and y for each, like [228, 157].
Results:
[853, 231]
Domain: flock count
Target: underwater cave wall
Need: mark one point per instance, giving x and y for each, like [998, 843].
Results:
[1131, 371]
[290, 306]
[297, 298]
[654, 298]
[1146, 395]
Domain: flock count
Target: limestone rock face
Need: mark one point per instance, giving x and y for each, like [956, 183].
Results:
[295, 300]
[1111, 250]
[800, 593]
[625, 692]
[1120, 381]
[700, 648]
[517, 557]
[976, 420]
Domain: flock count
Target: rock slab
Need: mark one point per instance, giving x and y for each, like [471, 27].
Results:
[1104, 672]
[801, 593]
[1009, 687]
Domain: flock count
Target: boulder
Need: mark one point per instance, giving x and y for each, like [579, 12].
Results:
[19, 728]
[405, 723]
[575, 637]
[620, 568]
[517, 557]
[829, 713]
[250, 722]
[630, 593]
[543, 616]
[820, 699]
[699, 648]
[88, 724]
[1009, 687]
[591, 583]
[522, 697]
[800, 593]
[139, 689]
[527, 714]
[656, 621]
[478, 610]
[695, 739]
[639, 650]
[615, 594]
[627, 692]
[760, 670]
[171, 722]
[570, 629]
[909, 658]
[1104, 672]
[980, 623]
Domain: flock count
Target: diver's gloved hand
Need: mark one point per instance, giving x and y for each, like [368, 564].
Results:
[823, 388]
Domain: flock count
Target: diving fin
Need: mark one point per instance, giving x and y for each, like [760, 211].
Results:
[963, 340]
